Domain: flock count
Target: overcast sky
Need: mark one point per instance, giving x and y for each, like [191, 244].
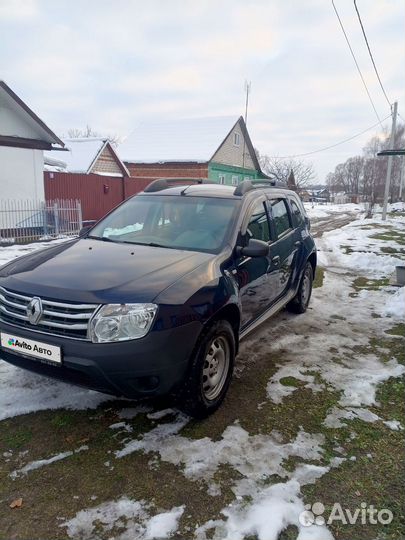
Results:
[113, 63]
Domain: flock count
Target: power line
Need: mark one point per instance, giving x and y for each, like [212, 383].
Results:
[333, 145]
[371, 54]
[355, 61]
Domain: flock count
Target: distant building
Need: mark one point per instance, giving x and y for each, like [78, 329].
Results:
[87, 155]
[23, 139]
[218, 148]
[305, 195]
[320, 195]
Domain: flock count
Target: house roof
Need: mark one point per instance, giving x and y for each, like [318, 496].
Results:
[81, 155]
[177, 140]
[31, 132]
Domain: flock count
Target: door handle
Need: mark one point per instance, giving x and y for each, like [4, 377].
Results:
[297, 243]
[276, 260]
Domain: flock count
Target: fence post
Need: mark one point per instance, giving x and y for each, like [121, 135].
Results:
[45, 219]
[79, 214]
[56, 217]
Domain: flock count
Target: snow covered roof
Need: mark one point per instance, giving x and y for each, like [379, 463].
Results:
[190, 139]
[81, 155]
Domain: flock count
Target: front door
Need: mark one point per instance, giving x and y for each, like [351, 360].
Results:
[253, 272]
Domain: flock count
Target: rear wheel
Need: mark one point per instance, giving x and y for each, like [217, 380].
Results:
[301, 300]
[210, 371]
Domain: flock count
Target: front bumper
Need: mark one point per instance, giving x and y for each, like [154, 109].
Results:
[151, 366]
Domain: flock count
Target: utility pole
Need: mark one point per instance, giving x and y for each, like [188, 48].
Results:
[247, 90]
[389, 167]
[402, 179]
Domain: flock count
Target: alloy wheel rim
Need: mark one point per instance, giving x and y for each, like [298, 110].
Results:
[216, 367]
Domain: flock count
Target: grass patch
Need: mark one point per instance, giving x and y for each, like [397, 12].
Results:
[17, 439]
[390, 236]
[369, 284]
[397, 330]
[319, 277]
[291, 381]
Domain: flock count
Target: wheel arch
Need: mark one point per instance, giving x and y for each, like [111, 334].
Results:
[230, 313]
[312, 259]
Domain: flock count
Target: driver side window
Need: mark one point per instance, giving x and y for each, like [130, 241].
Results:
[258, 226]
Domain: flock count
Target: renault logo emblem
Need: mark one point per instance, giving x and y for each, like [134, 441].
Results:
[35, 310]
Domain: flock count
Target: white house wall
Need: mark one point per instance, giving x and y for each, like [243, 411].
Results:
[230, 154]
[21, 174]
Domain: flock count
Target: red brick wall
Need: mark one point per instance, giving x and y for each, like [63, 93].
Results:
[168, 170]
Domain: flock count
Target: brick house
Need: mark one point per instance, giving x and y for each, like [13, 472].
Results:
[217, 148]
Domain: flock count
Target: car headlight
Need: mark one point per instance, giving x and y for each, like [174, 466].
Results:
[121, 322]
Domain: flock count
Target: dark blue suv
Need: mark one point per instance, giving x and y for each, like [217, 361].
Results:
[155, 297]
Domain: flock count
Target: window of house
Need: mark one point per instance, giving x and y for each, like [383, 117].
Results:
[280, 216]
[236, 139]
[235, 180]
[258, 227]
[221, 179]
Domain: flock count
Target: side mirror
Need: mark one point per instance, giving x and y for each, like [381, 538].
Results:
[84, 230]
[255, 248]
[308, 222]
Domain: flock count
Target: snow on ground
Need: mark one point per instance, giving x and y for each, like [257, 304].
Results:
[320, 211]
[33, 465]
[22, 392]
[133, 515]
[356, 248]
[342, 320]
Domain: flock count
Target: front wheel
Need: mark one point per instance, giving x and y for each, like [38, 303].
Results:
[300, 301]
[210, 371]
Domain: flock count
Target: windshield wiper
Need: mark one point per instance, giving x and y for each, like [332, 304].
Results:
[102, 238]
[151, 244]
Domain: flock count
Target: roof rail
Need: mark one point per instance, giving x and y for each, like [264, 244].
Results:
[248, 185]
[165, 183]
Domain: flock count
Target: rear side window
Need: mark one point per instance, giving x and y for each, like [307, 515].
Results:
[258, 227]
[298, 218]
[280, 216]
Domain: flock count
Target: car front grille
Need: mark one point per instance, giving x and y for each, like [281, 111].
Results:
[58, 318]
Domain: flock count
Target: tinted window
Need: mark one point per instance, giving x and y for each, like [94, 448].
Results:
[258, 225]
[297, 214]
[280, 216]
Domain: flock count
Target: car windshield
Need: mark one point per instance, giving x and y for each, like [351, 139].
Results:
[177, 222]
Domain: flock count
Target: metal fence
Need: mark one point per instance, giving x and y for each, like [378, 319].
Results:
[24, 221]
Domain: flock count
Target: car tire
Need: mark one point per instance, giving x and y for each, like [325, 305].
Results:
[210, 371]
[301, 300]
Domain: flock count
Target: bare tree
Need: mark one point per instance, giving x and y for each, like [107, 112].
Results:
[281, 169]
[88, 132]
[366, 174]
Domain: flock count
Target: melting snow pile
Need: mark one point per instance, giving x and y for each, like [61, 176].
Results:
[132, 515]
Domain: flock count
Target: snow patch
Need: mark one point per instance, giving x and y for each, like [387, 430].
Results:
[96, 523]
[43, 462]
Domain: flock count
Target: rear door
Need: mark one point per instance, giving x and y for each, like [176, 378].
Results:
[283, 249]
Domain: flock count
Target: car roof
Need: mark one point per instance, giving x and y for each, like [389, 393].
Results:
[215, 190]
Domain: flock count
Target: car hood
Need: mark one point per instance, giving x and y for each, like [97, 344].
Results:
[87, 270]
